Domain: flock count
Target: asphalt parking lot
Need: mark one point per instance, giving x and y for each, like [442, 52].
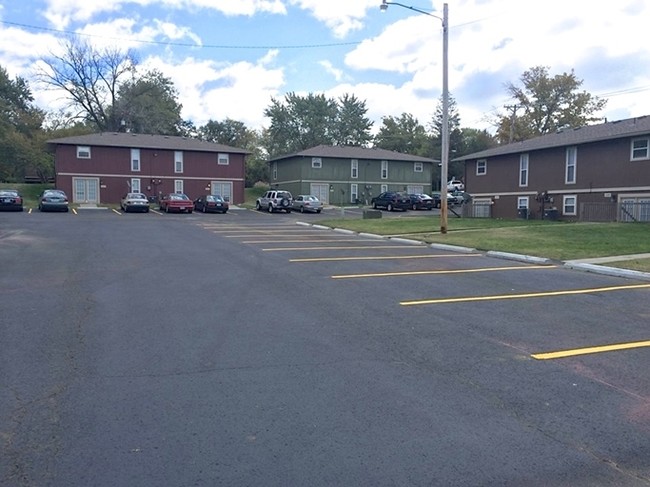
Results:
[258, 349]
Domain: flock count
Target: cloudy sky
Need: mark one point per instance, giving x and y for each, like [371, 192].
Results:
[228, 58]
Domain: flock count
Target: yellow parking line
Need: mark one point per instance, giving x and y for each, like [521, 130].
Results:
[364, 247]
[523, 295]
[589, 350]
[74, 210]
[115, 211]
[392, 257]
[455, 271]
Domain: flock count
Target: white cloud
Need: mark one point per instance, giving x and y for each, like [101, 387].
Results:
[329, 68]
[210, 90]
[341, 16]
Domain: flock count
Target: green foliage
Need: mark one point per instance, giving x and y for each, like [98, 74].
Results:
[148, 105]
[299, 123]
[542, 105]
[404, 134]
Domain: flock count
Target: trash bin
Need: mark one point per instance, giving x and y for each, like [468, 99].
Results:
[522, 213]
[551, 214]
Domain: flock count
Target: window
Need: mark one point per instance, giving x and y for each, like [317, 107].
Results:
[523, 170]
[135, 185]
[354, 168]
[316, 162]
[135, 161]
[275, 171]
[481, 167]
[384, 170]
[354, 193]
[522, 202]
[418, 167]
[640, 149]
[178, 162]
[83, 152]
[384, 188]
[569, 205]
[178, 186]
[223, 159]
[571, 158]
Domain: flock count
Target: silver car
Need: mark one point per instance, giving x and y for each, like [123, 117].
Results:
[134, 202]
[53, 200]
[307, 202]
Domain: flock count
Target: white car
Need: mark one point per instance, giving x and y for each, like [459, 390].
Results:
[307, 202]
[455, 185]
[134, 202]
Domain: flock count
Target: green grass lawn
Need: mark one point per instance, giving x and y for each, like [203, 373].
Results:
[554, 240]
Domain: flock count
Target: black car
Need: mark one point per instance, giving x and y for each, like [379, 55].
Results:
[53, 200]
[211, 203]
[11, 200]
[391, 200]
[421, 201]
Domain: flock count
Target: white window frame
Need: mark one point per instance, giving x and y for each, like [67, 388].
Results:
[523, 170]
[643, 148]
[316, 162]
[384, 170]
[178, 163]
[383, 188]
[481, 167]
[135, 185]
[523, 202]
[418, 167]
[178, 186]
[354, 192]
[135, 160]
[354, 169]
[274, 170]
[570, 172]
[565, 204]
[223, 159]
[83, 152]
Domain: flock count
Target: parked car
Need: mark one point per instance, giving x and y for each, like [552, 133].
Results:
[451, 199]
[307, 202]
[421, 201]
[455, 185]
[211, 203]
[461, 197]
[11, 200]
[275, 200]
[134, 202]
[391, 200]
[53, 200]
[176, 202]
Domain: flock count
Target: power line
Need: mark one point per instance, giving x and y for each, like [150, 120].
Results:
[182, 44]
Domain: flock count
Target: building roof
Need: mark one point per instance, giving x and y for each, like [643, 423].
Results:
[146, 141]
[351, 152]
[571, 136]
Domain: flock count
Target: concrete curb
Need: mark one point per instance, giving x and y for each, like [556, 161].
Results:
[609, 271]
[405, 241]
[521, 258]
[453, 248]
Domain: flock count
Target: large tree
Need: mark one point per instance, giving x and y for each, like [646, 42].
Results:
[403, 134]
[148, 105]
[91, 78]
[543, 104]
[235, 134]
[300, 122]
[20, 125]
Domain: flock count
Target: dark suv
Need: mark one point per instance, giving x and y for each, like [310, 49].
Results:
[391, 200]
[275, 200]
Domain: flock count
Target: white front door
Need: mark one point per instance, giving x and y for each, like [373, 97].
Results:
[321, 191]
[86, 190]
[224, 189]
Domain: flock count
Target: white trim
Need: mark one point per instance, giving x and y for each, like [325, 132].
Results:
[575, 204]
[571, 161]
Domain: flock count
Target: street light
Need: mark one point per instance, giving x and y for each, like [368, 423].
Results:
[445, 104]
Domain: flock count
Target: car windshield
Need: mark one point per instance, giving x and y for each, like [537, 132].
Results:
[311, 198]
[54, 193]
[214, 198]
[284, 194]
[8, 192]
[177, 196]
[136, 196]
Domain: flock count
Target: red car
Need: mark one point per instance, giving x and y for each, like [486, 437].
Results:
[176, 202]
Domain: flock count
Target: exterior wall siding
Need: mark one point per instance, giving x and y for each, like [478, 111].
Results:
[112, 165]
[604, 173]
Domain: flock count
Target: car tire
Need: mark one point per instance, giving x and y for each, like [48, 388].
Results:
[302, 209]
[203, 209]
[317, 211]
[415, 207]
[374, 206]
[389, 207]
[270, 208]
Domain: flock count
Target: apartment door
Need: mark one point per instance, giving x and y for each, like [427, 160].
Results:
[86, 190]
